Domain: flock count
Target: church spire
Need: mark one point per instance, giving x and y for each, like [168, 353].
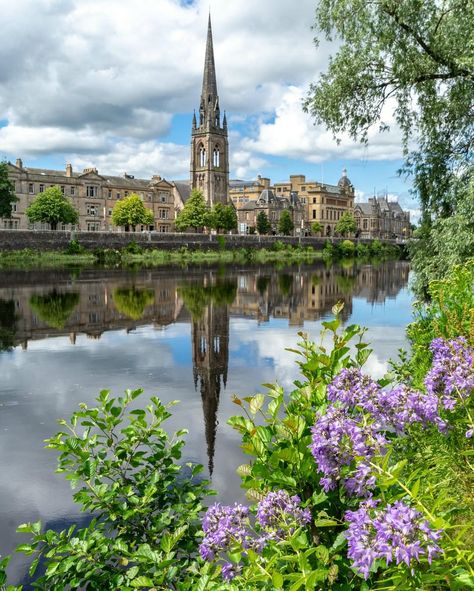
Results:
[209, 82]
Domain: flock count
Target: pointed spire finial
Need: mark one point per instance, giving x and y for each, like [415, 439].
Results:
[209, 83]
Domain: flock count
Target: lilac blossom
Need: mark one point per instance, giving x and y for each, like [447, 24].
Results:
[223, 525]
[339, 439]
[397, 533]
[278, 508]
[278, 515]
[451, 376]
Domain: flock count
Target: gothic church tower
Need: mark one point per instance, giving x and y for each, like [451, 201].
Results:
[209, 143]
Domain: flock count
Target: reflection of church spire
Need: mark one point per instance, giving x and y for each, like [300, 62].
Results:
[210, 338]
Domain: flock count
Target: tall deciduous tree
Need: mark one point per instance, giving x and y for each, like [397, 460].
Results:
[285, 224]
[223, 217]
[131, 212]
[414, 58]
[195, 213]
[7, 192]
[346, 224]
[263, 223]
[52, 207]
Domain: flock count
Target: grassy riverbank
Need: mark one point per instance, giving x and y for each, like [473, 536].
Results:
[134, 254]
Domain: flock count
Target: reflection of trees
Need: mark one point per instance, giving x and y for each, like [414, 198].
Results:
[346, 283]
[132, 302]
[197, 297]
[285, 283]
[7, 324]
[55, 308]
[263, 282]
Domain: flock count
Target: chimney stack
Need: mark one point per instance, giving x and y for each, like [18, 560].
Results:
[68, 169]
[19, 163]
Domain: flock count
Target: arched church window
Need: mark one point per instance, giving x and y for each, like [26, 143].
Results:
[216, 156]
[202, 155]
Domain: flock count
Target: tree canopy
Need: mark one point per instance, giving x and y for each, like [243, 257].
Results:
[346, 224]
[132, 301]
[285, 224]
[131, 212]
[223, 217]
[412, 57]
[195, 213]
[7, 192]
[54, 308]
[52, 207]
[263, 223]
[316, 228]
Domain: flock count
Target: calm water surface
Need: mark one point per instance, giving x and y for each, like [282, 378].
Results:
[197, 336]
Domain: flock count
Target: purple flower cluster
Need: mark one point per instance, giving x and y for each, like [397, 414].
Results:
[338, 439]
[391, 409]
[395, 533]
[223, 525]
[451, 376]
[277, 515]
[279, 508]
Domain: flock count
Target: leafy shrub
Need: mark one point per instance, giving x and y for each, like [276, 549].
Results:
[346, 248]
[133, 248]
[74, 248]
[144, 505]
[278, 245]
[375, 247]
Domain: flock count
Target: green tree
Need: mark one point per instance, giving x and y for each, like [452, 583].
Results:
[263, 223]
[7, 192]
[132, 302]
[52, 207]
[223, 217]
[131, 212]
[54, 308]
[316, 228]
[285, 224]
[195, 213]
[346, 224]
[415, 58]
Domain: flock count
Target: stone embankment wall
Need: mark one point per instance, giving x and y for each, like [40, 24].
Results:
[48, 240]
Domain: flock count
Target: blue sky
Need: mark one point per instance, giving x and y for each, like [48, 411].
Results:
[114, 85]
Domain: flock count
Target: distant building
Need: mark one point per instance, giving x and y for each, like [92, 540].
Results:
[273, 206]
[92, 194]
[382, 219]
[311, 201]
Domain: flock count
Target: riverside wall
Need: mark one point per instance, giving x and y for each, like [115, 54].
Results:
[47, 240]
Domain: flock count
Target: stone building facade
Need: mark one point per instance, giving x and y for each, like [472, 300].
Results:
[273, 206]
[319, 202]
[92, 194]
[382, 219]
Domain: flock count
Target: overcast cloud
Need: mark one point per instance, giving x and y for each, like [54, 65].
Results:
[98, 82]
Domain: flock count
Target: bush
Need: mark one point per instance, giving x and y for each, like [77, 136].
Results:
[278, 245]
[133, 248]
[74, 248]
[346, 248]
[375, 247]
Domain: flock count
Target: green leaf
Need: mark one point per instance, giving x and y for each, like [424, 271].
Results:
[277, 580]
[256, 403]
[142, 581]
[325, 522]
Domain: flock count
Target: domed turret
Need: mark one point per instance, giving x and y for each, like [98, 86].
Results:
[344, 182]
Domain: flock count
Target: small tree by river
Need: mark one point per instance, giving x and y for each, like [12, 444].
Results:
[53, 208]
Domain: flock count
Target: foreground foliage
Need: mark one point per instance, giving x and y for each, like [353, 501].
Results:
[354, 484]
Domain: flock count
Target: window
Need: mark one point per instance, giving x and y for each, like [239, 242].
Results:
[364, 224]
[14, 206]
[31, 188]
[92, 209]
[163, 229]
[216, 156]
[163, 197]
[126, 193]
[110, 212]
[202, 155]
[62, 189]
[73, 191]
[91, 191]
[110, 194]
[41, 188]
[93, 226]
[303, 188]
[150, 196]
[314, 214]
[118, 195]
[163, 214]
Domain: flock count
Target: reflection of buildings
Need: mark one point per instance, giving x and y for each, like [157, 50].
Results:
[296, 295]
[210, 339]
